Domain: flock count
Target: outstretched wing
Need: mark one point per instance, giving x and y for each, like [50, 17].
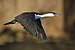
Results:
[27, 20]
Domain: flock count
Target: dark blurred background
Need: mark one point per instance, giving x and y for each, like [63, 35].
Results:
[60, 30]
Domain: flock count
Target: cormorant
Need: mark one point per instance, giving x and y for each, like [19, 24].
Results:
[31, 22]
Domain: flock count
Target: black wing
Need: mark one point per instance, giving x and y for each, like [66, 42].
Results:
[27, 20]
[40, 30]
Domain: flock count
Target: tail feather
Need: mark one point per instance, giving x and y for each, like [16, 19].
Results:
[11, 22]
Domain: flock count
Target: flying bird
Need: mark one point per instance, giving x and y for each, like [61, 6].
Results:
[32, 23]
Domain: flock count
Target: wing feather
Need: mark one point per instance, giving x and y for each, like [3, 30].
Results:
[27, 20]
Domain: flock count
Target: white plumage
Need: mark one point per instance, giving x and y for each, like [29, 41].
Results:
[44, 15]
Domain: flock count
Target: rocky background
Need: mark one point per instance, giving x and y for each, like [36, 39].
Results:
[60, 29]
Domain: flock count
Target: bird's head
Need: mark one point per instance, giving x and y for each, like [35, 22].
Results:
[55, 14]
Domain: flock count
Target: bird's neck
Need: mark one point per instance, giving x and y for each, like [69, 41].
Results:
[46, 15]
[37, 16]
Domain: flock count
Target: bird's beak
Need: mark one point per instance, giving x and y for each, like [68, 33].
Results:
[11, 22]
[58, 14]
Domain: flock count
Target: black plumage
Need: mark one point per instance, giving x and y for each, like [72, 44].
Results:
[27, 20]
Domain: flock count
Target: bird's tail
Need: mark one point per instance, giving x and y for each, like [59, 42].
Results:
[11, 22]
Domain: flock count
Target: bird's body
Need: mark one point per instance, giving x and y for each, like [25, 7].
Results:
[31, 22]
